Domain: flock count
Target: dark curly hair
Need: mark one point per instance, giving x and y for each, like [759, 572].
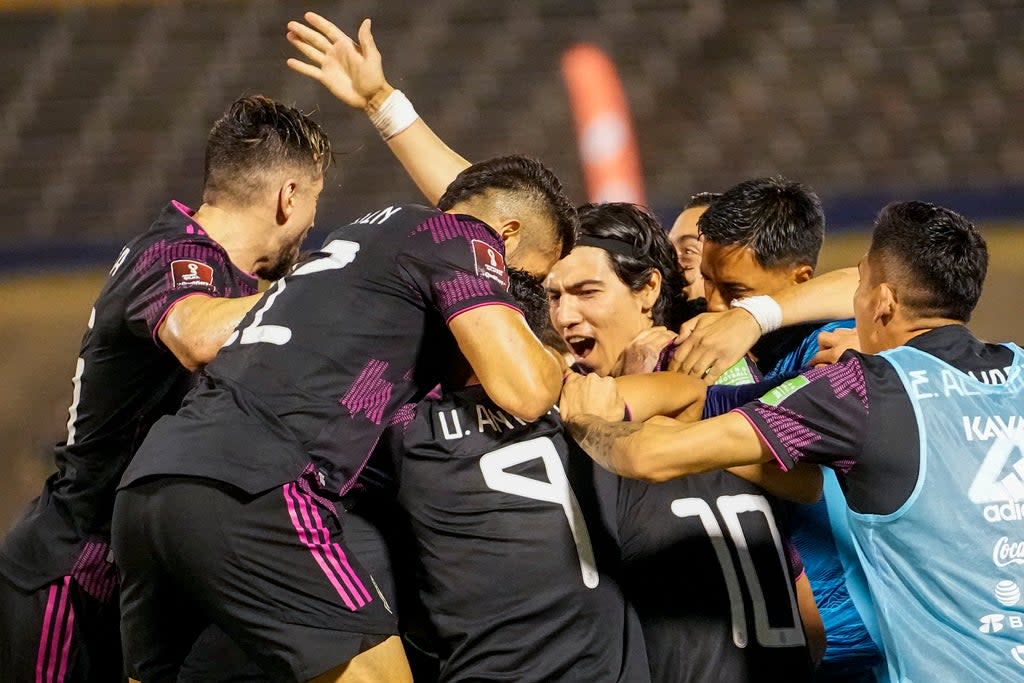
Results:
[651, 251]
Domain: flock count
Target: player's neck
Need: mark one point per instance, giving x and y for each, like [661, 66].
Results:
[481, 210]
[238, 232]
[909, 329]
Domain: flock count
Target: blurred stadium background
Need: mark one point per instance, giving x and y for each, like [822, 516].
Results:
[104, 107]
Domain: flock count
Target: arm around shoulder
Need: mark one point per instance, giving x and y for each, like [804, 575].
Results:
[516, 370]
[662, 449]
[825, 297]
[195, 327]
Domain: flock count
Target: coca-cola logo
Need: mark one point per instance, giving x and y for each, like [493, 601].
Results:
[1006, 553]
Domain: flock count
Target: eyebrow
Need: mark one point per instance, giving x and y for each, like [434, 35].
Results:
[576, 285]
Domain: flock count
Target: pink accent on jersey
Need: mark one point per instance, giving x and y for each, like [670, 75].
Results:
[763, 438]
[461, 287]
[184, 210]
[456, 314]
[163, 316]
[370, 392]
[844, 377]
[786, 426]
[329, 556]
[403, 416]
[93, 573]
[447, 227]
[57, 632]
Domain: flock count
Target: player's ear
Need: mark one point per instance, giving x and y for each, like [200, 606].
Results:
[885, 303]
[511, 234]
[650, 292]
[286, 199]
[802, 273]
[509, 228]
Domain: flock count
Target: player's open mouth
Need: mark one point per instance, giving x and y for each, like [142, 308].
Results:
[580, 346]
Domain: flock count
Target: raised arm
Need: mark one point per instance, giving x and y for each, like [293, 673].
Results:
[196, 327]
[353, 72]
[713, 342]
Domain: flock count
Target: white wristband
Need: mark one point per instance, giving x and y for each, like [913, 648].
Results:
[394, 115]
[766, 311]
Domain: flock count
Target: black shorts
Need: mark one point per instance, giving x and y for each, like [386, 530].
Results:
[274, 571]
[58, 634]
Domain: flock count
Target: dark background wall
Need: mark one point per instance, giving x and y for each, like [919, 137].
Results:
[104, 108]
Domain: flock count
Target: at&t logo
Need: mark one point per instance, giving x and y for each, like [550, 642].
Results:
[1007, 593]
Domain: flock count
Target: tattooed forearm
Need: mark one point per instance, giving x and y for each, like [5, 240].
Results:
[603, 440]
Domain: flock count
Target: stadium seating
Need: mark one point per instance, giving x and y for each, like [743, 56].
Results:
[103, 109]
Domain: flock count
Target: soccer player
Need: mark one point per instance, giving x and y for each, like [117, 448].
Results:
[620, 281]
[685, 237]
[510, 559]
[713, 605]
[923, 435]
[760, 237]
[287, 414]
[173, 296]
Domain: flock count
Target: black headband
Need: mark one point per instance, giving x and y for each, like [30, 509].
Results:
[612, 244]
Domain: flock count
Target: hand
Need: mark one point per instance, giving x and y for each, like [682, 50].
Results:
[831, 345]
[712, 342]
[591, 395]
[642, 354]
[351, 72]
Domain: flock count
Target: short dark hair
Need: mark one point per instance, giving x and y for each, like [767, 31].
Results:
[528, 291]
[651, 250]
[781, 221]
[935, 257]
[520, 175]
[702, 199]
[254, 134]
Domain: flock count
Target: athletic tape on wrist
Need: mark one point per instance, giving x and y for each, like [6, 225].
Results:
[394, 115]
[766, 311]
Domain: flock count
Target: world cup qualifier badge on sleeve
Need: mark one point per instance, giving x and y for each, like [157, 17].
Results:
[490, 263]
[186, 273]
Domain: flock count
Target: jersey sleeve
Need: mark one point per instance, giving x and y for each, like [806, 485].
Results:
[457, 264]
[793, 559]
[819, 416]
[809, 348]
[721, 398]
[164, 274]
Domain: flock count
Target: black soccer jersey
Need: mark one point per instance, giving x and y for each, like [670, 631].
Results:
[317, 369]
[855, 417]
[511, 558]
[707, 566]
[124, 381]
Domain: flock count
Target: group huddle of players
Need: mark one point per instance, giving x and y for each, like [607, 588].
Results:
[370, 478]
